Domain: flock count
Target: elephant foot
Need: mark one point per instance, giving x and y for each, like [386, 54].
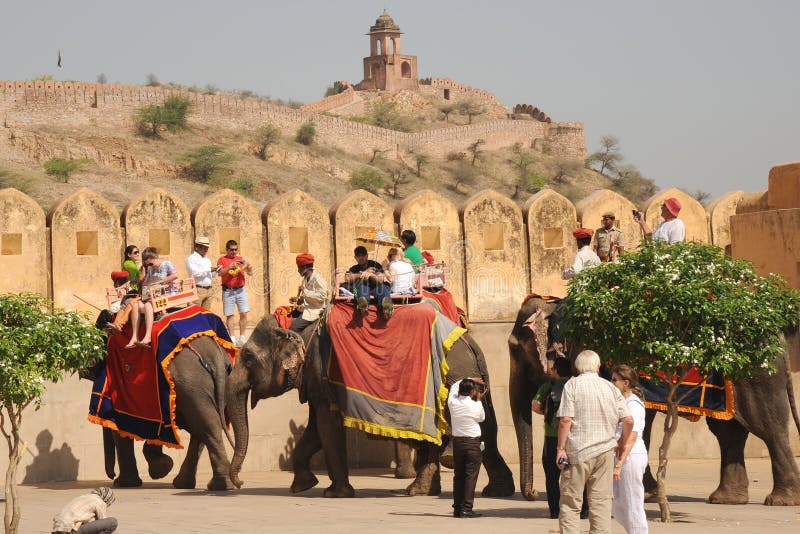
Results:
[159, 466]
[501, 488]
[728, 496]
[447, 459]
[783, 497]
[220, 483]
[184, 482]
[404, 471]
[303, 481]
[530, 494]
[127, 482]
[418, 488]
[339, 492]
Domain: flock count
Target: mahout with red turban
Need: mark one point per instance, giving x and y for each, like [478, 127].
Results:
[304, 259]
[582, 233]
[119, 275]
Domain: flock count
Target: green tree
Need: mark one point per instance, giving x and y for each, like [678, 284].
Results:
[206, 163]
[630, 183]
[171, 116]
[420, 160]
[334, 89]
[470, 108]
[244, 184]
[44, 78]
[61, 168]
[464, 174]
[608, 157]
[306, 133]
[397, 176]
[522, 159]
[670, 308]
[446, 110]
[264, 137]
[369, 179]
[38, 344]
[530, 182]
[563, 167]
[476, 149]
[152, 80]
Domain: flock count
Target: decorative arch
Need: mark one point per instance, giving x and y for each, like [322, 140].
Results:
[357, 212]
[692, 213]
[550, 220]
[23, 241]
[592, 208]
[719, 213]
[405, 69]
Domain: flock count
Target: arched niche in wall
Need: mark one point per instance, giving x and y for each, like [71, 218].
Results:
[435, 221]
[496, 256]
[23, 244]
[227, 215]
[692, 213]
[296, 223]
[160, 219]
[86, 245]
[592, 208]
[357, 213]
[550, 220]
[719, 213]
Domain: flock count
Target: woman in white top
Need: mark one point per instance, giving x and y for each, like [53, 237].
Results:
[402, 274]
[631, 457]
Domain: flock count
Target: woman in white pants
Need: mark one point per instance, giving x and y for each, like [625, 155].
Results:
[631, 458]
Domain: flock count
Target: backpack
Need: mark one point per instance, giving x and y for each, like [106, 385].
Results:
[552, 401]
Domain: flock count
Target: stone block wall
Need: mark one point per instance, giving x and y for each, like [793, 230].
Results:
[500, 252]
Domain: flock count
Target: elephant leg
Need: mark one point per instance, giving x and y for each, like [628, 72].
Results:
[501, 481]
[404, 460]
[128, 471]
[521, 393]
[428, 481]
[648, 479]
[187, 476]
[308, 445]
[158, 464]
[334, 444]
[733, 482]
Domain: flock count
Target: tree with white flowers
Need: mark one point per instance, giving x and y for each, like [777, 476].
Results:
[38, 345]
[670, 308]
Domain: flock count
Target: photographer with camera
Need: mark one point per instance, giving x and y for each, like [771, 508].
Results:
[591, 408]
[466, 414]
[671, 230]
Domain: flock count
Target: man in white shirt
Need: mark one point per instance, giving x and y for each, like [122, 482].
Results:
[87, 514]
[199, 268]
[672, 230]
[312, 298]
[585, 257]
[466, 414]
[590, 410]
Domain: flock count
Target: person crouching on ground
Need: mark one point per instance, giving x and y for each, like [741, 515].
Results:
[87, 514]
[591, 408]
[466, 414]
[585, 257]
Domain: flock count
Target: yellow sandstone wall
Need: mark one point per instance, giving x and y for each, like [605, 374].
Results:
[592, 208]
[355, 214]
[228, 215]
[692, 213]
[550, 221]
[719, 212]
[24, 264]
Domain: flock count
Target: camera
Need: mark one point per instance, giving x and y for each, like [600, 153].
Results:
[636, 214]
[563, 461]
[480, 388]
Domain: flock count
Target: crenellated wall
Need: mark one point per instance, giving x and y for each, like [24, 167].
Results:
[496, 253]
[29, 103]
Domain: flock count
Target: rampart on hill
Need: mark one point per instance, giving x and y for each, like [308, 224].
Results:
[28, 103]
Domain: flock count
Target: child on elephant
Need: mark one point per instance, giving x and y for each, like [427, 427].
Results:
[87, 514]
[160, 272]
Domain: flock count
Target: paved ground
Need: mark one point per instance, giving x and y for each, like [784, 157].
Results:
[264, 504]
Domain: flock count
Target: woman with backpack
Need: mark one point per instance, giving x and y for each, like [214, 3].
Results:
[546, 402]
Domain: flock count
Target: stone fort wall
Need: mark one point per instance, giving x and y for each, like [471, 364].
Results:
[28, 103]
[496, 254]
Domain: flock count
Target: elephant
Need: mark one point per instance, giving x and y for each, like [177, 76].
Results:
[262, 372]
[199, 374]
[763, 405]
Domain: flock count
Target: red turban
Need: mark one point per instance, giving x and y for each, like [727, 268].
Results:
[118, 275]
[304, 259]
[582, 233]
[673, 206]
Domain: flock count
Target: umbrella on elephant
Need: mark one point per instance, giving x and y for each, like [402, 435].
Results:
[380, 237]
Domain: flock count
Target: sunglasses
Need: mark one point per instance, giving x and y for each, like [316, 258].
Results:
[134, 252]
[233, 250]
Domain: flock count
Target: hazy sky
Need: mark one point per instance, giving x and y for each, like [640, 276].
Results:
[702, 94]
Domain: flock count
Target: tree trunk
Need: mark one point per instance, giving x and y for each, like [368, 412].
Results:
[670, 426]
[16, 449]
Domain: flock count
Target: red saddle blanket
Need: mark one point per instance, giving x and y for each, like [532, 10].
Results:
[134, 392]
[387, 377]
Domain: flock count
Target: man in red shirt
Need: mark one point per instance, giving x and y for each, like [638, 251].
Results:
[234, 295]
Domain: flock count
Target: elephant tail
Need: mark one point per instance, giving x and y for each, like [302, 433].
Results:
[790, 392]
[220, 376]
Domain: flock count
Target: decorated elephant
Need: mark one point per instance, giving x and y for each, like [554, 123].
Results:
[198, 373]
[262, 371]
[763, 405]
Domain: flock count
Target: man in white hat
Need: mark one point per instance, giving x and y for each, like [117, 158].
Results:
[199, 267]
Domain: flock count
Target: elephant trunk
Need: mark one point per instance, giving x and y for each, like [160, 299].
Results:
[238, 389]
